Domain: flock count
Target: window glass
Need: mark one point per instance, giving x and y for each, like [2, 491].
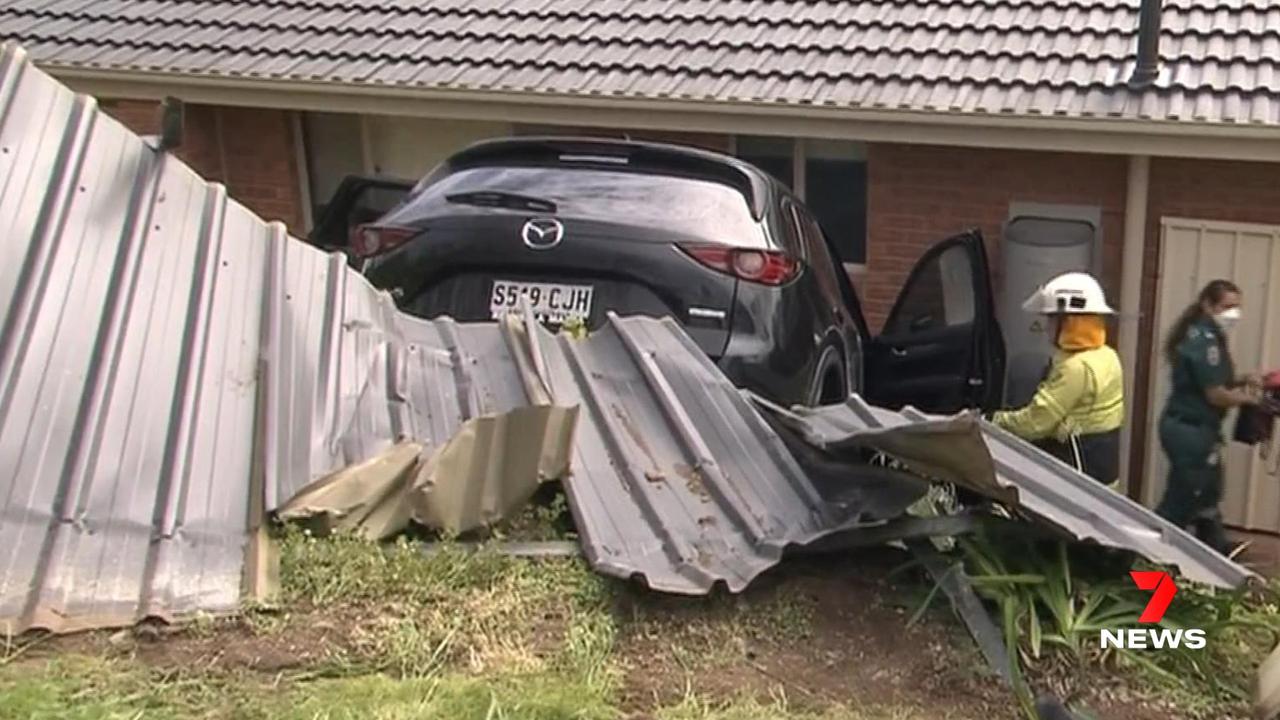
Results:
[939, 296]
[700, 208]
[835, 189]
[820, 257]
[770, 154]
[374, 202]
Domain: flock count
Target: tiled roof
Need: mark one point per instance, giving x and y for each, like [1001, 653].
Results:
[1220, 58]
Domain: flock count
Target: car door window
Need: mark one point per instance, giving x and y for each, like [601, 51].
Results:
[819, 256]
[940, 295]
[358, 200]
[792, 232]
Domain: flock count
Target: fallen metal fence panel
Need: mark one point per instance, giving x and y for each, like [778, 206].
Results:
[676, 478]
[966, 448]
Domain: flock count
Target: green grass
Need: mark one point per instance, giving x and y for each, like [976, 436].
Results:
[778, 707]
[77, 686]
[83, 688]
[80, 687]
[477, 610]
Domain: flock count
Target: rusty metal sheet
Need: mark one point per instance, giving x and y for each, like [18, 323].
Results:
[972, 452]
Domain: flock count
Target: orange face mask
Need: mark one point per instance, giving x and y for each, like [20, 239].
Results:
[1082, 332]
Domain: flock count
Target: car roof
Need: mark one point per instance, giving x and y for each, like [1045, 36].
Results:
[638, 156]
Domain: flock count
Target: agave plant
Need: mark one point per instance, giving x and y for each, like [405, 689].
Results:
[1050, 610]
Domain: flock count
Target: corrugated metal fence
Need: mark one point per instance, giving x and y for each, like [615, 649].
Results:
[169, 366]
[1193, 252]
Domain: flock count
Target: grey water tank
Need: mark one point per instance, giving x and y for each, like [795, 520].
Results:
[1036, 248]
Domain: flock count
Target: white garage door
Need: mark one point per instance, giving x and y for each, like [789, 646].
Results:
[1193, 252]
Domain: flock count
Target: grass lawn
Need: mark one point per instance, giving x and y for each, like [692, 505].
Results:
[388, 632]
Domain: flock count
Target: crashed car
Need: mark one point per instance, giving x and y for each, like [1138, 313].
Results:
[584, 227]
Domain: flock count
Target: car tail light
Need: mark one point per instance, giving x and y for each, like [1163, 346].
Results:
[767, 267]
[371, 239]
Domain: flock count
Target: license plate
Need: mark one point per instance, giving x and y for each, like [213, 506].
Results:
[551, 302]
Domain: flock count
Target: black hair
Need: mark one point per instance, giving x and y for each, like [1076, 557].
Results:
[1209, 294]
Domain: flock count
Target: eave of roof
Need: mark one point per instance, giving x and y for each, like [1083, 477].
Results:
[1062, 133]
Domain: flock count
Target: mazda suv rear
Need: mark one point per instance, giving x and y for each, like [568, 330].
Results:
[582, 228]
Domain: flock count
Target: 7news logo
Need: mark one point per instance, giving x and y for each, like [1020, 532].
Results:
[1162, 592]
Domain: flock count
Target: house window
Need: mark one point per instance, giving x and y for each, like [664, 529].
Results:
[775, 156]
[829, 176]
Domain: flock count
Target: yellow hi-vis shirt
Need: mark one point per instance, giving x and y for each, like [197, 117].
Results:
[1083, 395]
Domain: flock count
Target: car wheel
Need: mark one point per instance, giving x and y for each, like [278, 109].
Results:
[828, 386]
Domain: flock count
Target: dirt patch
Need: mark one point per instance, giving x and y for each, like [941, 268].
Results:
[260, 642]
[827, 636]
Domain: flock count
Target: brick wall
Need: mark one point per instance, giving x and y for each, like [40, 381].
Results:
[1200, 190]
[918, 195]
[250, 150]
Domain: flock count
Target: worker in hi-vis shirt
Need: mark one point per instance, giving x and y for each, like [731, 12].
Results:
[1077, 410]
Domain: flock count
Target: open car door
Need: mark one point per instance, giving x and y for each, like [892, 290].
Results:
[941, 349]
[358, 200]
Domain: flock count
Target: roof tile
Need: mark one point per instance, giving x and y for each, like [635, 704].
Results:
[1042, 57]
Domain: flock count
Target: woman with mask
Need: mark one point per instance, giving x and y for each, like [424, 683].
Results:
[1078, 409]
[1205, 387]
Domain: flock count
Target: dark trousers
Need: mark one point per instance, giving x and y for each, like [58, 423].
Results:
[1194, 486]
[1098, 454]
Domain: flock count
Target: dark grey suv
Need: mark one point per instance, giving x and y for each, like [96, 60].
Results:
[583, 227]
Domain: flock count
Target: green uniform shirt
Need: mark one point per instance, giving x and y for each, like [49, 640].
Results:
[1201, 364]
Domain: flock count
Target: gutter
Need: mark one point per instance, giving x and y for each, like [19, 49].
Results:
[1044, 132]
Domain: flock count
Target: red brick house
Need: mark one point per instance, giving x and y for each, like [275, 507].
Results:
[899, 121]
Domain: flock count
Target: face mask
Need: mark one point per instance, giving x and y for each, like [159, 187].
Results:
[1227, 318]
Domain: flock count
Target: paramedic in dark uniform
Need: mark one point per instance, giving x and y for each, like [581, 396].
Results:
[1205, 387]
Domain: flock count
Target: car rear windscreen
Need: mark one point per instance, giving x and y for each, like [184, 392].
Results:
[688, 206]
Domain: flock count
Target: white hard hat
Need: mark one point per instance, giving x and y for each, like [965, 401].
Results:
[1073, 293]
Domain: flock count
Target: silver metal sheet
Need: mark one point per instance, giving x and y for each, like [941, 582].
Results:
[1026, 478]
[1026, 57]
[171, 367]
[128, 358]
[676, 480]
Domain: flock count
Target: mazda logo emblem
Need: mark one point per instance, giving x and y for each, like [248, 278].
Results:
[542, 233]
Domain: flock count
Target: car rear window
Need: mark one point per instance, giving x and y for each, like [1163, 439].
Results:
[700, 208]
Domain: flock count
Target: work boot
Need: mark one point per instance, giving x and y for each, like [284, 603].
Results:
[1208, 527]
